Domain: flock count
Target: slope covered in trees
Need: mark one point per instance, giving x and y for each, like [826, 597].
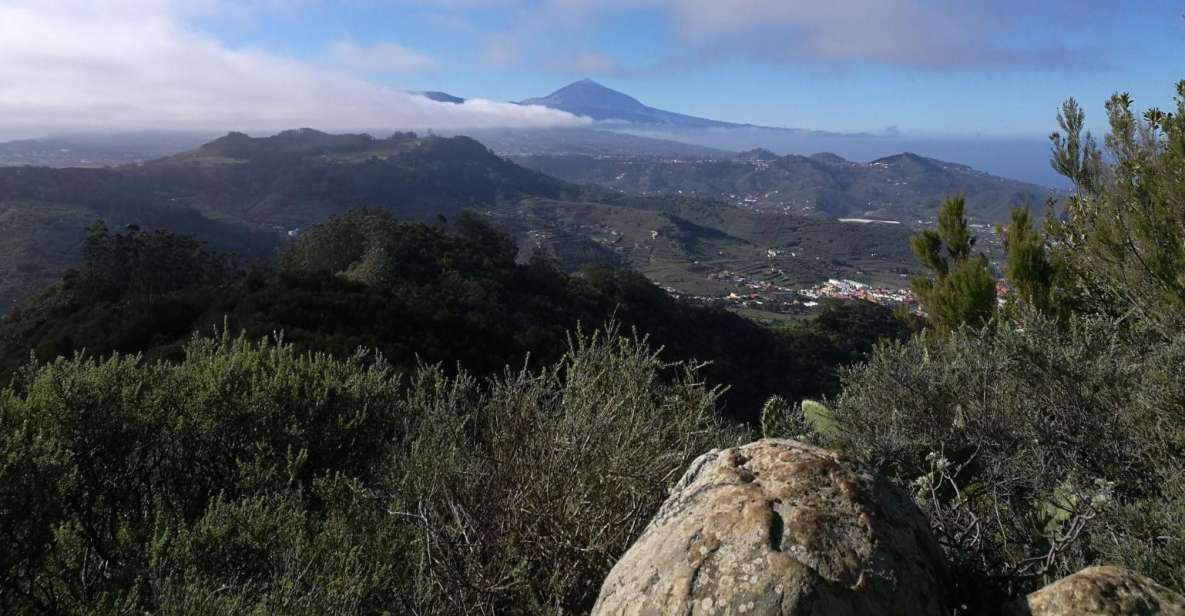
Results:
[242, 194]
[401, 394]
[246, 196]
[415, 293]
[905, 187]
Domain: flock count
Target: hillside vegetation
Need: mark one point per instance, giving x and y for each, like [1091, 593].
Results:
[384, 436]
[905, 187]
[1048, 434]
[415, 293]
[443, 427]
[247, 196]
[242, 195]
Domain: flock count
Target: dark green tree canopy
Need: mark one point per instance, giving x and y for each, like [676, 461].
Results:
[960, 289]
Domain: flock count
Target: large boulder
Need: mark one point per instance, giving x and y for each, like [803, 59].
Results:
[1101, 591]
[780, 527]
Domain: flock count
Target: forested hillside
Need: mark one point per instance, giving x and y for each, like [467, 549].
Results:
[248, 196]
[905, 188]
[415, 293]
[198, 424]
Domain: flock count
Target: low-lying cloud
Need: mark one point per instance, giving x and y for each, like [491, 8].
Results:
[71, 65]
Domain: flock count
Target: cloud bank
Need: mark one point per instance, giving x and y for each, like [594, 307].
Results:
[74, 65]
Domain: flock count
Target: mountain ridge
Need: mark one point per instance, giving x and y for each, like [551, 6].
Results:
[905, 187]
[251, 194]
[593, 100]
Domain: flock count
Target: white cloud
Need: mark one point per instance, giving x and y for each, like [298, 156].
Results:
[135, 64]
[380, 57]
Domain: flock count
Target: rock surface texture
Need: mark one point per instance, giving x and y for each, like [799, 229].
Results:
[779, 527]
[1101, 591]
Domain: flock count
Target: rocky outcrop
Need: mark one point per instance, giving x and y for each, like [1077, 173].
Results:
[1101, 591]
[779, 527]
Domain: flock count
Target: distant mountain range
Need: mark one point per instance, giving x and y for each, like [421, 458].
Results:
[1021, 158]
[249, 195]
[904, 187]
[589, 142]
[592, 100]
[99, 149]
[624, 126]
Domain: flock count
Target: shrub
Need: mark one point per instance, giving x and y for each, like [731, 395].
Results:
[522, 496]
[1031, 445]
[250, 478]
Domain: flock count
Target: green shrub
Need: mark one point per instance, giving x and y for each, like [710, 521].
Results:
[1030, 445]
[250, 478]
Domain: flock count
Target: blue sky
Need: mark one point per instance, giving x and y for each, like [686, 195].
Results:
[994, 68]
[925, 67]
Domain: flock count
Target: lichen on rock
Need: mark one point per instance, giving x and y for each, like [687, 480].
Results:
[1101, 591]
[780, 527]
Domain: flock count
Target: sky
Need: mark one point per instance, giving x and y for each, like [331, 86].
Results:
[921, 67]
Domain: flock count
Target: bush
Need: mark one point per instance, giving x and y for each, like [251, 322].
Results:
[249, 478]
[1032, 446]
[524, 495]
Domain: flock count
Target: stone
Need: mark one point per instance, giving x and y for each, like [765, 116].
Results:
[780, 527]
[1101, 591]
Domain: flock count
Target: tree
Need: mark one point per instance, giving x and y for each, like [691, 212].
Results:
[1122, 233]
[144, 263]
[1035, 277]
[961, 288]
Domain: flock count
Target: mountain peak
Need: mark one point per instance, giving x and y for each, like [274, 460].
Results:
[594, 100]
[441, 97]
[758, 154]
[830, 158]
[293, 142]
[904, 158]
[591, 98]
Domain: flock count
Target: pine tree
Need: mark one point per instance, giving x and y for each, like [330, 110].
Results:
[1036, 278]
[960, 289]
[1122, 233]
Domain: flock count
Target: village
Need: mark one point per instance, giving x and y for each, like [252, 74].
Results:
[765, 296]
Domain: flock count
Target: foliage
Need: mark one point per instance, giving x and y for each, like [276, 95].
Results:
[1053, 438]
[1122, 233]
[1028, 443]
[809, 421]
[145, 263]
[820, 420]
[372, 248]
[519, 474]
[251, 478]
[1036, 277]
[960, 289]
[902, 187]
[452, 295]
